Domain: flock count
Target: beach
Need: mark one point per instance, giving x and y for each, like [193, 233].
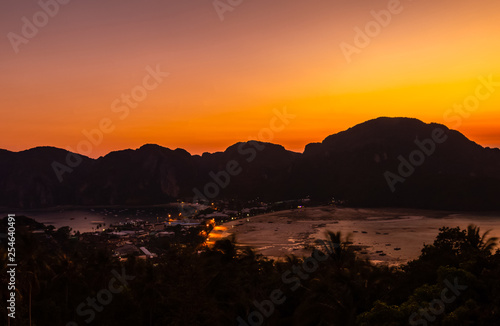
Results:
[383, 235]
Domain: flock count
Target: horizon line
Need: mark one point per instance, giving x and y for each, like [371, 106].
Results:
[254, 140]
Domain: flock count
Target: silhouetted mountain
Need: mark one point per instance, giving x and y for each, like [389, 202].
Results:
[382, 162]
[351, 165]
[28, 180]
[149, 175]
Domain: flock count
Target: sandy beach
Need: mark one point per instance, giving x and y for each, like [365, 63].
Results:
[386, 235]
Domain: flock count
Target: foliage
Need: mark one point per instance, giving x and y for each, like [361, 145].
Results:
[216, 286]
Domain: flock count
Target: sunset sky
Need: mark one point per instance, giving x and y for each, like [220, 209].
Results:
[227, 76]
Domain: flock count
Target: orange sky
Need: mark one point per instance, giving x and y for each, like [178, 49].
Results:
[226, 77]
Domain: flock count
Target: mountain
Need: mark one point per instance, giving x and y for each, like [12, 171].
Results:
[28, 180]
[360, 163]
[381, 162]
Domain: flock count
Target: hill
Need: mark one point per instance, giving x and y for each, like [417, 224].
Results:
[381, 162]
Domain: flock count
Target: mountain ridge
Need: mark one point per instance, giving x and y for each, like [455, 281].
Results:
[351, 165]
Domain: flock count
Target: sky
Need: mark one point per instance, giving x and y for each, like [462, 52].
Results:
[225, 68]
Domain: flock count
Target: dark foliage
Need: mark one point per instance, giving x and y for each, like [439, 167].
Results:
[57, 273]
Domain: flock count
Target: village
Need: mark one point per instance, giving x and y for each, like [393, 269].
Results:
[150, 238]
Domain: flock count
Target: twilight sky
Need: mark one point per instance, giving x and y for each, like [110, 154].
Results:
[227, 76]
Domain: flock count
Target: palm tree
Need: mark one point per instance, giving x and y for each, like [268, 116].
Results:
[480, 242]
[337, 246]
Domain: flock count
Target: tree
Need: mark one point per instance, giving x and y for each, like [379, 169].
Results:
[480, 242]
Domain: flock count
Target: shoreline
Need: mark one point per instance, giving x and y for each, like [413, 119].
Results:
[390, 235]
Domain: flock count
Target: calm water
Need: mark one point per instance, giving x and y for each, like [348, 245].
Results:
[87, 219]
[377, 230]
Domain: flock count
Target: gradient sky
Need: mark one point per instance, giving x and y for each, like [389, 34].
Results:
[226, 77]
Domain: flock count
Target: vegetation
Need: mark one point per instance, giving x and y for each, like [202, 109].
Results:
[57, 273]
